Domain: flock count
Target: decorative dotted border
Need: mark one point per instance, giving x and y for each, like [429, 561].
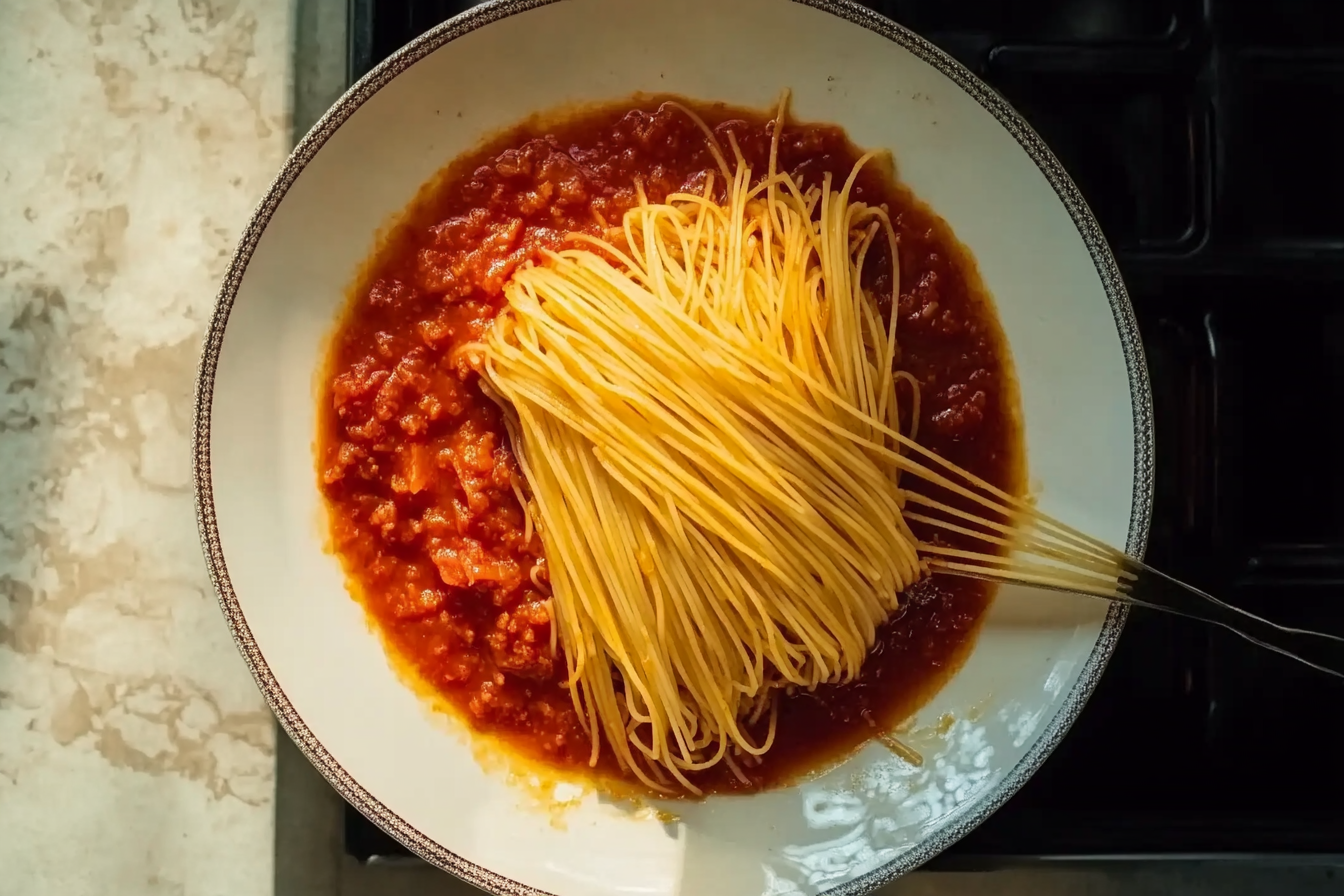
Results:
[478, 17]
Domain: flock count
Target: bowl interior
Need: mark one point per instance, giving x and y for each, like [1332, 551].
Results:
[326, 673]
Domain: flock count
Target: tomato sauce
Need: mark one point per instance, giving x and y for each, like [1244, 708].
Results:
[417, 472]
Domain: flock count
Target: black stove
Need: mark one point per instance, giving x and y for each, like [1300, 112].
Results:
[1208, 138]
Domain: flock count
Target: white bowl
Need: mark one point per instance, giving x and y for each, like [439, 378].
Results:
[1084, 394]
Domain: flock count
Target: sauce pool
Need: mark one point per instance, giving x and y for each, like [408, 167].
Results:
[416, 469]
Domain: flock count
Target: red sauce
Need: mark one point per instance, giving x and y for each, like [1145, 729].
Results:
[415, 463]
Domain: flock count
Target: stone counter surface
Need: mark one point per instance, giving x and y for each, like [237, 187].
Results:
[136, 754]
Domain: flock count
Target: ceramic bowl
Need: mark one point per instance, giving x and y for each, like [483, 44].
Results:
[961, 148]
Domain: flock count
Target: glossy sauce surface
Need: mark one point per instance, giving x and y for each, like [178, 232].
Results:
[416, 468]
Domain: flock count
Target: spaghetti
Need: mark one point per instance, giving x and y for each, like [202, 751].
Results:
[705, 408]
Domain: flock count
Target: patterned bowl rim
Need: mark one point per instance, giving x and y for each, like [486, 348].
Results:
[493, 11]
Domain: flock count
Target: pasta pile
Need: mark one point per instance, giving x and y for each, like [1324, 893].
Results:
[707, 414]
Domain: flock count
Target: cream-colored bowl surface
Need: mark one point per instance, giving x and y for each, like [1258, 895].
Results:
[1085, 404]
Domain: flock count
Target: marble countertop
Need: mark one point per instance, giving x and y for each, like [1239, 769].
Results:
[136, 754]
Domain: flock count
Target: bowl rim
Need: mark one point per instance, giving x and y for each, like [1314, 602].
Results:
[479, 17]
